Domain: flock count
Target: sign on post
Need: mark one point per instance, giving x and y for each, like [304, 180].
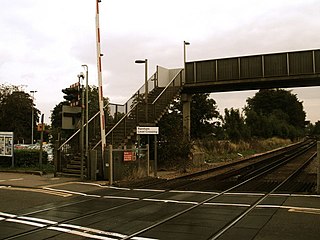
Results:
[129, 156]
[155, 132]
[147, 130]
[6, 145]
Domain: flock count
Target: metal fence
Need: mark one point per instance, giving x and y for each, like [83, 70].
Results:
[126, 164]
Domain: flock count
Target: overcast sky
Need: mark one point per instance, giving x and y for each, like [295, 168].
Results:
[43, 43]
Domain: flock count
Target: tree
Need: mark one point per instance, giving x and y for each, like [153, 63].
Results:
[173, 147]
[234, 125]
[15, 112]
[315, 130]
[203, 111]
[275, 112]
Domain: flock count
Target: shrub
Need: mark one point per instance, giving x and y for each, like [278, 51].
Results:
[25, 158]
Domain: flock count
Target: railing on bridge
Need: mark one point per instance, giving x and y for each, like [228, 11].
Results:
[257, 66]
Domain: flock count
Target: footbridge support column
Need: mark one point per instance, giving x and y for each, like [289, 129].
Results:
[186, 111]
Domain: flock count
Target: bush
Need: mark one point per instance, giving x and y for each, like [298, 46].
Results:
[25, 158]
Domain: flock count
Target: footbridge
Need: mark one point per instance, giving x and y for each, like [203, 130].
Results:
[278, 70]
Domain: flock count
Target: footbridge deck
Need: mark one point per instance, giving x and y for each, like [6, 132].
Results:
[278, 70]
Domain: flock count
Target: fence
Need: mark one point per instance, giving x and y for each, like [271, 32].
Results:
[126, 164]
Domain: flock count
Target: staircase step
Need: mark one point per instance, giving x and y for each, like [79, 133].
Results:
[73, 166]
[72, 171]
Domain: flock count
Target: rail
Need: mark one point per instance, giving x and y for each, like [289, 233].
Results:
[91, 213]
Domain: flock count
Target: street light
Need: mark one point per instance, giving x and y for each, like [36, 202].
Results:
[87, 111]
[145, 84]
[32, 115]
[185, 53]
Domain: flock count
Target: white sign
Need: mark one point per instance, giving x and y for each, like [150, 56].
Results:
[147, 130]
[6, 144]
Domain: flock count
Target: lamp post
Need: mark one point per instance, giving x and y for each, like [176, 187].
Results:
[87, 111]
[32, 115]
[145, 84]
[81, 76]
[185, 53]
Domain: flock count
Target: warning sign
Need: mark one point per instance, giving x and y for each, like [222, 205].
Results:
[129, 156]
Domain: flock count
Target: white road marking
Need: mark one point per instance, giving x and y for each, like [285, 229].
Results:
[25, 222]
[119, 188]
[66, 228]
[295, 195]
[119, 197]
[197, 192]
[93, 184]
[148, 190]
[229, 204]
[245, 194]
[7, 215]
[38, 220]
[169, 201]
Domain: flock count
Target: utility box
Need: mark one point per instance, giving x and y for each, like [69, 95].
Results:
[71, 117]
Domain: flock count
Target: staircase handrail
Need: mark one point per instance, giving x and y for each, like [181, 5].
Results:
[76, 132]
[128, 113]
[152, 78]
[162, 92]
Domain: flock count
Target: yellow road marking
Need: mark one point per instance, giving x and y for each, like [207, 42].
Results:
[305, 210]
[51, 192]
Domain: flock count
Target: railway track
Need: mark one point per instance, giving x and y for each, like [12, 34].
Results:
[286, 169]
[248, 177]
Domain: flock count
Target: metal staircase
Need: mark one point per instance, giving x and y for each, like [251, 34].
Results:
[164, 86]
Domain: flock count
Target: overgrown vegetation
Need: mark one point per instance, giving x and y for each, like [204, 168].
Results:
[271, 119]
[224, 150]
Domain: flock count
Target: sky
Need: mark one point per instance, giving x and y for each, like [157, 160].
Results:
[43, 43]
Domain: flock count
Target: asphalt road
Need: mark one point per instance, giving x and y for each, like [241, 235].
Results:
[33, 207]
